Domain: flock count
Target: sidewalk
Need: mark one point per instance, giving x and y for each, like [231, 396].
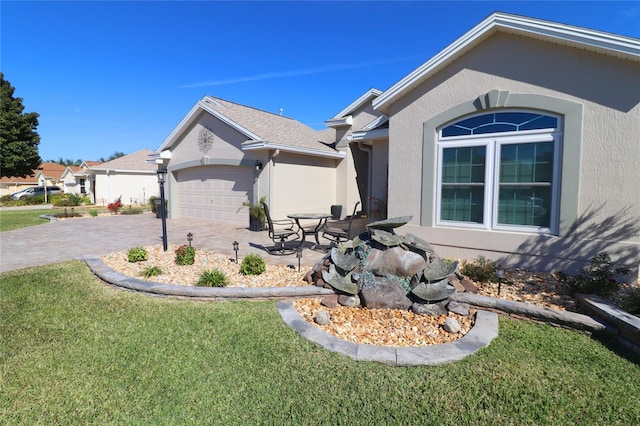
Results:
[74, 238]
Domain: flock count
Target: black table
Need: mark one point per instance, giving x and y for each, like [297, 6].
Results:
[315, 230]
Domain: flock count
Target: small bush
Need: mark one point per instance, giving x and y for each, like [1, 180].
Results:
[480, 270]
[137, 254]
[93, 213]
[131, 210]
[252, 264]
[151, 271]
[597, 278]
[115, 206]
[185, 255]
[213, 278]
[631, 302]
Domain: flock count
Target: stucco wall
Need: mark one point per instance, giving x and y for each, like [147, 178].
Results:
[134, 188]
[608, 91]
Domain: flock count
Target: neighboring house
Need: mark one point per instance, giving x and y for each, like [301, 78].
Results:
[519, 141]
[130, 177]
[79, 179]
[9, 185]
[45, 174]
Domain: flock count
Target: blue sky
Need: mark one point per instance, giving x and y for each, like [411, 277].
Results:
[119, 76]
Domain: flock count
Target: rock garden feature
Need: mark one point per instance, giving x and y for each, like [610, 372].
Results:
[384, 270]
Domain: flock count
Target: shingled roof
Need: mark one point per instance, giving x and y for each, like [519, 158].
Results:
[136, 161]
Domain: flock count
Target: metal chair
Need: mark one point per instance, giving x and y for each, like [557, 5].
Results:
[336, 234]
[281, 235]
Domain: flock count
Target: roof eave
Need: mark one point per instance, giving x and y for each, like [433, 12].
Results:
[262, 145]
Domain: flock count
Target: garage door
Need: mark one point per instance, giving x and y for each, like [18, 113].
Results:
[215, 192]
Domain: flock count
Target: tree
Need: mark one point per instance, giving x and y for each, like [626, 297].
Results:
[116, 154]
[19, 140]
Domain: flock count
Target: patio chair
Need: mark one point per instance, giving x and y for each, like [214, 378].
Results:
[336, 234]
[285, 232]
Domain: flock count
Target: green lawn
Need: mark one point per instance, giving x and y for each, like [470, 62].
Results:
[74, 351]
[14, 219]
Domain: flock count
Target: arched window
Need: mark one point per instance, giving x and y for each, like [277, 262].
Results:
[499, 170]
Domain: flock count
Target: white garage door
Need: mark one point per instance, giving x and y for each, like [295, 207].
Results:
[215, 192]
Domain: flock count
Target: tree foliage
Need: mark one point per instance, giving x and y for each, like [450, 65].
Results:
[116, 154]
[19, 140]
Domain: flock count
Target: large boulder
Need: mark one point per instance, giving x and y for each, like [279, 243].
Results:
[385, 294]
[394, 261]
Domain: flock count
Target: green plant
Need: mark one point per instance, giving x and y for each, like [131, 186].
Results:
[151, 271]
[256, 211]
[631, 301]
[597, 278]
[115, 206]
[252, 264]
[131, 210]
[185, 255]
[213, 278]
[93, 213]
[480, 270]
[137, 254]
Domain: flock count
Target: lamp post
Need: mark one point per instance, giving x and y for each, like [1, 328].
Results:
[162, 176]
[189, 238]
[236, 247]
[299, 256]
[500, 273]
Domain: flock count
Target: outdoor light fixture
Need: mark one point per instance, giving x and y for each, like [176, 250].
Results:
[236, 248]
[162, 176]
[189, 238]
[299, 256]
[500, 273]
[258, 165]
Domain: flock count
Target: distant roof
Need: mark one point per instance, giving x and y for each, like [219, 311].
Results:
[264, 130]
[568, 35]
[132, 162]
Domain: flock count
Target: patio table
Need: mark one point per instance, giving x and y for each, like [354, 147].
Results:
[320, 217]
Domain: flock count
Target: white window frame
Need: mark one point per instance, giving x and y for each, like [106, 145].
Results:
[493, 143]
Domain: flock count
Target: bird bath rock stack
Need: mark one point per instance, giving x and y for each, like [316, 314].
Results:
[388, 271]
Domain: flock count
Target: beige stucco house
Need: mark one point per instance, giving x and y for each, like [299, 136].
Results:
[520, 141]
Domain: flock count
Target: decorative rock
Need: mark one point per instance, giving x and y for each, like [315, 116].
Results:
[469, 286]
[455, 282]
[439, 269]
[387, 238]
[391, 223]
[322, 318]
[418, 243]
[433, 291]
[340, 283]
[386, 294]
[320, 283]
[344, 261]
[431, 309]
[458, 308]
[330, 301]
[394, 261]
[308, 278]
[349, 301]
[451, 326]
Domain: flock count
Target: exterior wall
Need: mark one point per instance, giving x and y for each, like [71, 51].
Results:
[599, 212]
[347, 194]
[135, 188]
[379, 183]
[301, 184]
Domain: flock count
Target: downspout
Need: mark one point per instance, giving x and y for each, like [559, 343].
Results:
[368, 149]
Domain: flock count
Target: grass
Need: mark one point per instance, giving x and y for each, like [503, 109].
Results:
[16, 219]
[74, 351]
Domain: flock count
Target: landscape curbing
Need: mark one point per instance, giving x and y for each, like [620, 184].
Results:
[480, 335]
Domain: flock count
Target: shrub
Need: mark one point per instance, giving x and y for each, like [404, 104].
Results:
[137, 254]
[151, 271]
[213, 278]
[115, 206]
[252, 264]
[185, 255]
[480, 270]
[597, 278]
[631, 302]
[93, 213]
[131, 210]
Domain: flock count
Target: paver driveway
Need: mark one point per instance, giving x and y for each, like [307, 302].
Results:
[73, 238]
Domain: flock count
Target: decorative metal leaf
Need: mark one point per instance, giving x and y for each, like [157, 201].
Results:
[439, 269]
[394, 222]
[417, 242]
[345, 261]
[433, 291]
[339, 282]
[387, 238]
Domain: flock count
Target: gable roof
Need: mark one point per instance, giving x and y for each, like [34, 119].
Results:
[264, 130]
[344, 118]
[134, 162]
[596, 41]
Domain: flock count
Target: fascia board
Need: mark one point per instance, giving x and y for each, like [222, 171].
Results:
[186, 120]
[603, 42]
[339, 122]
[370, 135]
[255, 146]
[357, 103]
[111, 169]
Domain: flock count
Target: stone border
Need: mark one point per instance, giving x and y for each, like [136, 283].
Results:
[481, 334]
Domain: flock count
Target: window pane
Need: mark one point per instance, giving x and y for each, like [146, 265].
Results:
[524, 205]
[526, 163]
[462, 203]
[500, 122]
[463, 165]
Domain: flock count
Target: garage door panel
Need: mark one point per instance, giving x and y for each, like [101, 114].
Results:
[215, 192]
